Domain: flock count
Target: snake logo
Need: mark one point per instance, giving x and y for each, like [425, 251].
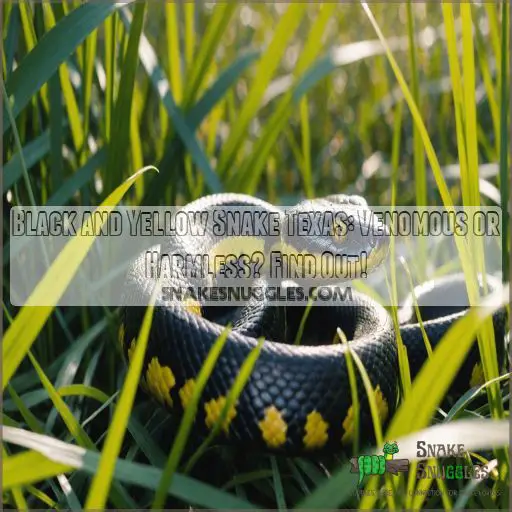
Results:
[367, 465]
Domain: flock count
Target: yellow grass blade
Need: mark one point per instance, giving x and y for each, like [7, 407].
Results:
[100, 487]
[30, 320]
[29, 467]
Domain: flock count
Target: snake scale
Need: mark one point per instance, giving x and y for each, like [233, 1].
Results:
[297, 399]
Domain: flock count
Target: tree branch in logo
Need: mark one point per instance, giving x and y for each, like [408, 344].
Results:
[367, 465]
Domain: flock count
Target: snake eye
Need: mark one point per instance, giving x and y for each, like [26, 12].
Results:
[339, 231]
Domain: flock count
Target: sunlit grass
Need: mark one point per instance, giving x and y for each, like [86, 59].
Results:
[261, 99]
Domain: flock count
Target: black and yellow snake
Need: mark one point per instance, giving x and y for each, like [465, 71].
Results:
[298, 397]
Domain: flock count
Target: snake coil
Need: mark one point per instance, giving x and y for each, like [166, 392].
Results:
[298, 398]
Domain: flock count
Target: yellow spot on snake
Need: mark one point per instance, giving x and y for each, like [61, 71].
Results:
[477, 376]
[348, 426]
[160, 380]
[273, 427]
[382, 405]
[213, 408]
[192, 306]
[186, 392]
[316, 431]
[120, 335]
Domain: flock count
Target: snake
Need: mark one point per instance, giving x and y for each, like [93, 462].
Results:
[299, 398]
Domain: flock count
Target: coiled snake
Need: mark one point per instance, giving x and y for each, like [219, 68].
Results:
[298, 397]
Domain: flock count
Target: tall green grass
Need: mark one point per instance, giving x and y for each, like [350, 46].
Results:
[283, 101]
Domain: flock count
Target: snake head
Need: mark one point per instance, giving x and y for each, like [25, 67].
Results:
[390, 448]
[345, 237]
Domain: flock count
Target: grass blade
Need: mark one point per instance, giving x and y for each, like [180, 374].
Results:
[110, 64]
[353, 389]
[231, 399]
[459, 406]
[468, 82]
[278, 485]
[264, 72]
[174, 56]
[149, 60]
[31, 40]
[190, 36]
[28, 468]
[67, 89]
[33, 152]
[248, 177]
[135, 140]
[52, 457]
[41, 496]
[467, 262]
[89, 56]
[219, 89]
[307, 176]
[187, 421]
[78, 180]
[504, 139]
[83, 390]
[51, 51]
[488, 84]
[377, 414]
[27, 415]
[198, 113]
[72, 424]
[30, 320]
[420, 176]
[99, 490]
[117, 156]
[434, 163]
[431, 385]
[209, 43]
[458, 95]
[56, 135]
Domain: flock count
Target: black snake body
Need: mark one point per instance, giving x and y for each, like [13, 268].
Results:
[298, 397]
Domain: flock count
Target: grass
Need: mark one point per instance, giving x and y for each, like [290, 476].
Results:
[282, 101]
